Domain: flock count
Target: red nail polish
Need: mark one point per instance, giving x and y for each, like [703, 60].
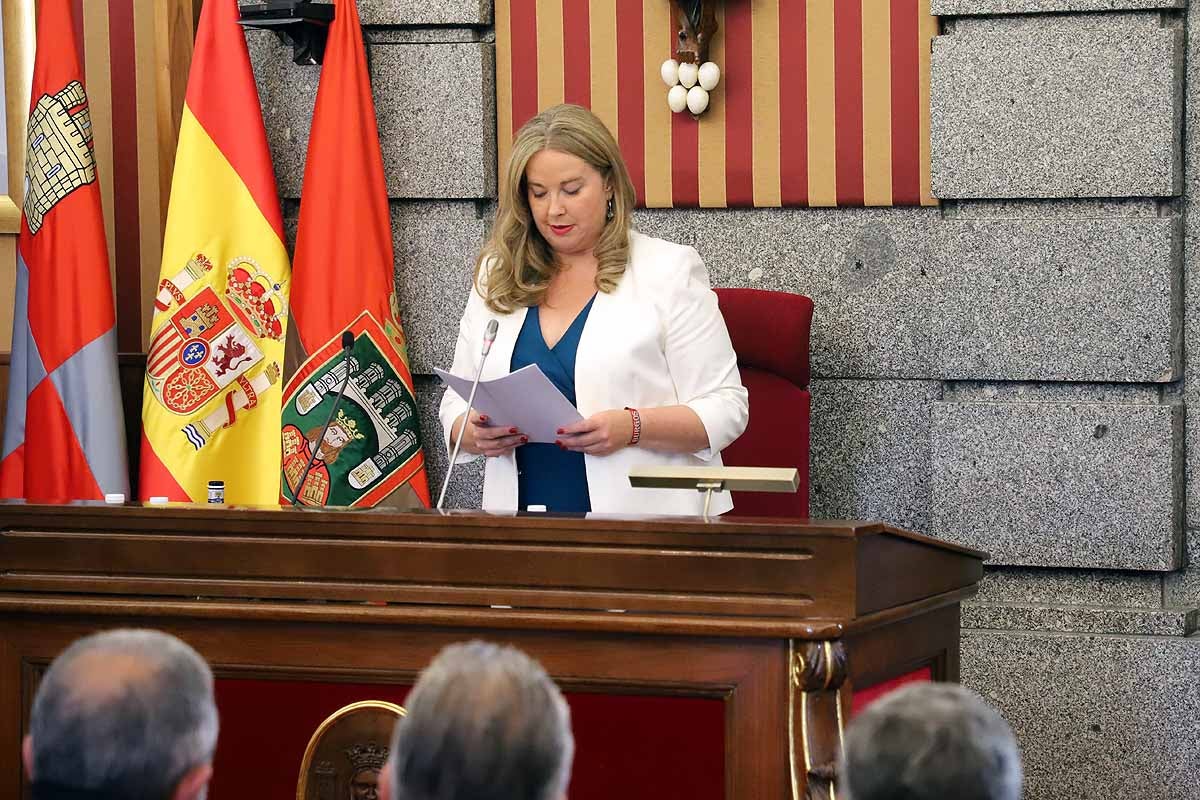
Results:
[560, 431]
[560, 444]
[512, 430]
[524, 440]
[483, 418]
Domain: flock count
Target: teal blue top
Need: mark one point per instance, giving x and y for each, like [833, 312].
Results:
[546, 474]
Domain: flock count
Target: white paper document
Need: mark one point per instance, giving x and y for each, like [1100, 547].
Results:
[525, 399]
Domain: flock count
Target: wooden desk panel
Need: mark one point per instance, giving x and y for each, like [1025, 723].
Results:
[762, 614]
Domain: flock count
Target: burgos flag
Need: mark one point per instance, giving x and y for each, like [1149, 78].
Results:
[64, 434]
[343, 281]
[210, 407]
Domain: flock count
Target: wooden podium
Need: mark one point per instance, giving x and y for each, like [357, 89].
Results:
[777, 620]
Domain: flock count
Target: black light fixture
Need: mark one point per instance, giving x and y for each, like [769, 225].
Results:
[301, 23]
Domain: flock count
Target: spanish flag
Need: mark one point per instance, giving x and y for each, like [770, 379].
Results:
[211, 402]
[371, 451]
[64, 437]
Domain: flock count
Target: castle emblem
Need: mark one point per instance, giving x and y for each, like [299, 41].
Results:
[58, 156]
[373, 446]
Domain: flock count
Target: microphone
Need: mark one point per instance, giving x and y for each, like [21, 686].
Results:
[489, 336]
[347, 346]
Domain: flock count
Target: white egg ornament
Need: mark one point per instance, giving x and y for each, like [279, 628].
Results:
[697, 100]
[677, 98]
[670, 72]
[709, 76]
[688, 74]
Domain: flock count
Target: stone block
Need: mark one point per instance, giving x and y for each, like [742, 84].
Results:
[1088, 485]
[423, 35]
[287, 93]
[435, 247]
[862, 268]
[435, 106]
[902, 293]
[958, 8]
[1053, 392]
[1057, 300]
[870, 450]
[466, 485]
[1067, 107]
[1079, 619]
[1054, 208]
[1108, 23]
[1096, 716]
[1191, 388]
[1076, 587]
[425, 12]
[1182, 589]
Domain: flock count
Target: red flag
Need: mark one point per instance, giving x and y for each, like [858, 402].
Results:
[64, 433]
[343, 280]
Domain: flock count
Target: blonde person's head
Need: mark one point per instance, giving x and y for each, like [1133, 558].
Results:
[517, 263]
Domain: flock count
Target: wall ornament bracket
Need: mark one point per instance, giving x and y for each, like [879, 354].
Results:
[697, 21]
[690, 76]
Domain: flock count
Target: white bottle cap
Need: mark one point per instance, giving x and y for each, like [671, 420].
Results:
[157, 500]
[116, 498]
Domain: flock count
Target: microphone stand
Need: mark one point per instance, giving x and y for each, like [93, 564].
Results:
[489, 336]
[347, 346]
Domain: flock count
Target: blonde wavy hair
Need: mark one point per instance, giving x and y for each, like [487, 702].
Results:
[515, 266]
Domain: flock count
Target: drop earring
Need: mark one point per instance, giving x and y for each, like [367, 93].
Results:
[610, 210]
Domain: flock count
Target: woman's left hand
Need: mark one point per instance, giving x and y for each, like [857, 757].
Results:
[599, 434]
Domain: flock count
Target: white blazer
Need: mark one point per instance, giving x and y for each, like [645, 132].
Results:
[658, 339]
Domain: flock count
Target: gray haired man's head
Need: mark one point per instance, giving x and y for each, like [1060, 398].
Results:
[484, 722]
[930, 741]
[125, 714]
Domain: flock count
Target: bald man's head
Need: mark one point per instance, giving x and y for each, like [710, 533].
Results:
[126, 713]
[98, 675]
[484, 723]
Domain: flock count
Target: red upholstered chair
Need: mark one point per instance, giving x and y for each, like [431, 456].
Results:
[770, 336]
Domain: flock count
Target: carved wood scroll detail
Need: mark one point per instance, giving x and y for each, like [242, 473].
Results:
[697, 21]
[816, 689]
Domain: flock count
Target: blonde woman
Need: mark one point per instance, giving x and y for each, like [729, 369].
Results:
[625, 325]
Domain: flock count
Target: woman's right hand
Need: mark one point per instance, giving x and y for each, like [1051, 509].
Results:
[482, 438]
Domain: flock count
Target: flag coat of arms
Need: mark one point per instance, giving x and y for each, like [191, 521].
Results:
[343, 275]
[211, 402]
[64, 432]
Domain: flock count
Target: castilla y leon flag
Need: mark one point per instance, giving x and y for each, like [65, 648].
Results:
[64, 434]
[343, 281]
[211, 403]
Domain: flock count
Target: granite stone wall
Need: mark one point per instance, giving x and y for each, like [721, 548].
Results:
[1012, 370]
